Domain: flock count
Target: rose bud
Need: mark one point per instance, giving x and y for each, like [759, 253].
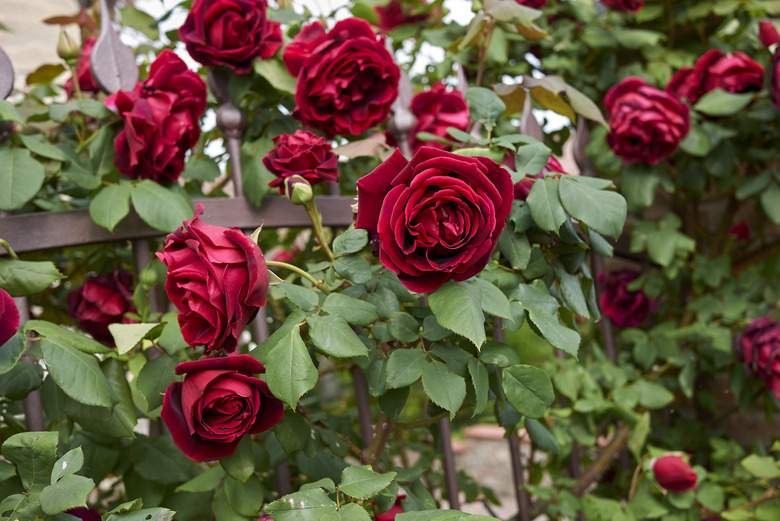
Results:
[217, 279]
[435, 218]
[672, 473]
[624, 308]
[629, 6]
[84, 513]
[645, 124]
[9, 317]
[298, 190]
[101, 301]
[759, 348]
[301, 154]
[66, 48]
[767, 33]
[162, 120]
[399, 12]
[218, 402]
[230, 32]
[335, 72]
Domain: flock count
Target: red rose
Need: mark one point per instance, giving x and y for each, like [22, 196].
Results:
[399, 12]
[302, 153]
[217, 279]
[629, 6]
[717, 70]
[645, 124]
[672, 473]
[774, 79]
[767, 33]
[84, 513]
[623, 307]
[161, 120]
[217, 403]
[523, 188]
[101, 301]
[740, 231]
[347, 80]
[437, 217]
[759, 346]
[230, 32]
[9, 317]
[536, 4]
[436, 109]
[83, 71]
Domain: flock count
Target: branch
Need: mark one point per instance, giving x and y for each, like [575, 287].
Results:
[598, 466]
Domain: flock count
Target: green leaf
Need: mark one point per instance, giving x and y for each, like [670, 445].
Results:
[354, 311]
[127, 336]
[101, 151]
[541, 436]
[696, 142]
[571, 290]
[289, 370]
[20, 381]
[711, 496]
[601, 210]
[638, 183]
[762, 467]
[494, 301]
[515, 248]
[637, 38]
[443, 387]
[111, 205]
[719, 102]
[404, 367]
[39, 145]
[241, 464]
[146, 514]
[485, 106]
[479, 380]
[306, 505]
[202, 168]
[304, 298]
[69, 492]
[404, 327]
[636, 441]
[159, 207]
[553, 331]
[584, 106]
[498, 354]
[155, 377]
[350, 241]
[140, 21]
[362, 482]
[276, 74]
[458, 307]
[545, 204]
[246, 498]
[77, 374]
[441, 515]
[332, 335]
[653, 395]
[159, 460]
[204, 482]
[26, 278]
[59, 335]
[528, 389]
[9, 112]
[770, 202]
[70, 463]
[34, 454]
[11, 352]
[255, 175]
[21, 177]
[355, 269]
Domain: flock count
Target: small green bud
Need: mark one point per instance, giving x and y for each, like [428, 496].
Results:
[298, 190]
[67, 49]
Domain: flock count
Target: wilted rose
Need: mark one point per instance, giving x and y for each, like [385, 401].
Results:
[672, 473]
[217, 279]
[347, 80]
[437, 109]
[9, 317]
[230, 32]
[101, 301]
[734, 72]
[161, 120]
[645, 124]
[759, 347]
[629, 6]
[218, 402]
[624, 308]
[399, 12]
[437, 217]
[304, 154]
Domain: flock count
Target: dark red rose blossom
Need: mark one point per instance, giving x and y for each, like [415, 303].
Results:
[437, 217]
[347, 80]
[740, 231]
[301, 153]
[161, 120]
[9, 317]
[774, 79]
[437, 109]
[767, 33]
[523, 187]
[83, 71]
[394, 511]
[101, 301]
[230, 32]
[717, 70]
[84, 513]
[217, 279]
[536, 4]
[624, 308]
[645, 123]
[672, 473]
[399, 12]
[218, 402]
[629, 6]
[759, 348]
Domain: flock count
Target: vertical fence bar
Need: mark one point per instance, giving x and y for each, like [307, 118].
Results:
[364, 408]
[33, 410]
[450, 476]
[231, 121]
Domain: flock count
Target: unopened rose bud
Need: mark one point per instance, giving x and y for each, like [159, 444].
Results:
[298, 190]
[767, 33]
[67, 49]
[672, 473]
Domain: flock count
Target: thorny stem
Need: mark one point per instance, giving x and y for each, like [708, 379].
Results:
[766, 496]
[299, 271]
[635, 477]
[604, 460]
[316, 221]
[354, 449]
[382, 430]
